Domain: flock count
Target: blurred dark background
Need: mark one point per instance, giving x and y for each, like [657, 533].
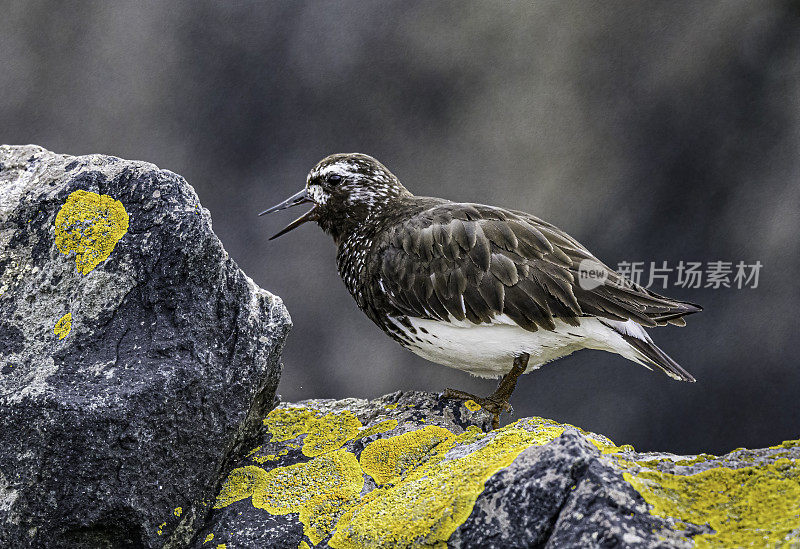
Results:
[659, 131]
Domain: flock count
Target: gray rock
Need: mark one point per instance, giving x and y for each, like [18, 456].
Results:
[136, 359]
[412, 470]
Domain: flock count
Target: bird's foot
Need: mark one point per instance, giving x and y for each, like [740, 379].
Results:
[494, 404]
[497, 402]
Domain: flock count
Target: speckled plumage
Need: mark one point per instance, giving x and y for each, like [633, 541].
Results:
[417, 265]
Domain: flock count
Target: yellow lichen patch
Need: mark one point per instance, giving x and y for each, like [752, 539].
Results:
[319, 490]
[63, 326]
[387, 459]
[547, 430]
[382, 427]
[161, 528]
[472, 406]
[608, 447]
[90, 225]
[544, 430]
[269, 457]
[330, 432]
[424, 493]
[240, 484]
[787, 444]
[209, 537]
[222, 546]
[700, 458]
[325, 433]
[472, 431]
[266, 458]
[390, 406]
[303, 545]
[431, 501]
[755, 506]
[178, 511]
[288, 423]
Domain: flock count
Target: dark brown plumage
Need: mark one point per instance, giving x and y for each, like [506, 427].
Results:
[430, 253]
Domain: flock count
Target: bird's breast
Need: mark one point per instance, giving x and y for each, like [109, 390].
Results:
[351, 262]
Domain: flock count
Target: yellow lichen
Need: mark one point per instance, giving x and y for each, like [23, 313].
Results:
[288, 423]
[700, 458]
[382, 427]
[435, 497]
[757, 506]
[608, 447]
[547, 430]
[303, 545]
[209, 537]
[161, 528]
[90, 225]
[222, 546]
[387, 459]
[325, 433]
[178, 511]
[240, 484]
[472, 406]
[390, 406]
[329, 432]
[424, 493]
[319, 490]
[544, 430]
[63, 326]
[268, 457]
[413, 473]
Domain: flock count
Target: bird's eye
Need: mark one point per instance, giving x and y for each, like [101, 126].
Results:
[334, 179]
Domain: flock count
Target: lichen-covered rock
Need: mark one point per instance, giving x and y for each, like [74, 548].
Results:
[411, 470]
[136, 359]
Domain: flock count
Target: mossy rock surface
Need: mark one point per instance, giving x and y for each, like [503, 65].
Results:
[413, 470]
[135, 356]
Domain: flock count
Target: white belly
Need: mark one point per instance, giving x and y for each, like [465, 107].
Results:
[488, 350]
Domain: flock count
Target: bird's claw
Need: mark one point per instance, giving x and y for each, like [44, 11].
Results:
[492, 404]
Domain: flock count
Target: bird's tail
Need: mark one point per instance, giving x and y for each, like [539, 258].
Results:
[635, 336]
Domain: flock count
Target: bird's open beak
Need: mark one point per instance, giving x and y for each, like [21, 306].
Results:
[294, 200]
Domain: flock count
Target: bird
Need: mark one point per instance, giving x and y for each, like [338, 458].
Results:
[491, 291]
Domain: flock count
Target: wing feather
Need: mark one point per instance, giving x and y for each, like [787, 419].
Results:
[473, 262]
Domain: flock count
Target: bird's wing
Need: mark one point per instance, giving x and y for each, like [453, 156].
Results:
[474, 262]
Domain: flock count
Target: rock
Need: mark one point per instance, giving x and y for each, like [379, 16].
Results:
[136, 360]
[411, 470]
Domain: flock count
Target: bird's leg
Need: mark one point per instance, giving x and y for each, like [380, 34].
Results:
[497, 402]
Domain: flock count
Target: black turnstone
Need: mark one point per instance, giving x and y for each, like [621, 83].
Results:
[491, 291]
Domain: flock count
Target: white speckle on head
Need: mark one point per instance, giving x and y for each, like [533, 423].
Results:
[348, 169]
[364, 180]
[317, 194]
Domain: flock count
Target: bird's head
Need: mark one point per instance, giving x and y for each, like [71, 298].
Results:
[345, 189]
